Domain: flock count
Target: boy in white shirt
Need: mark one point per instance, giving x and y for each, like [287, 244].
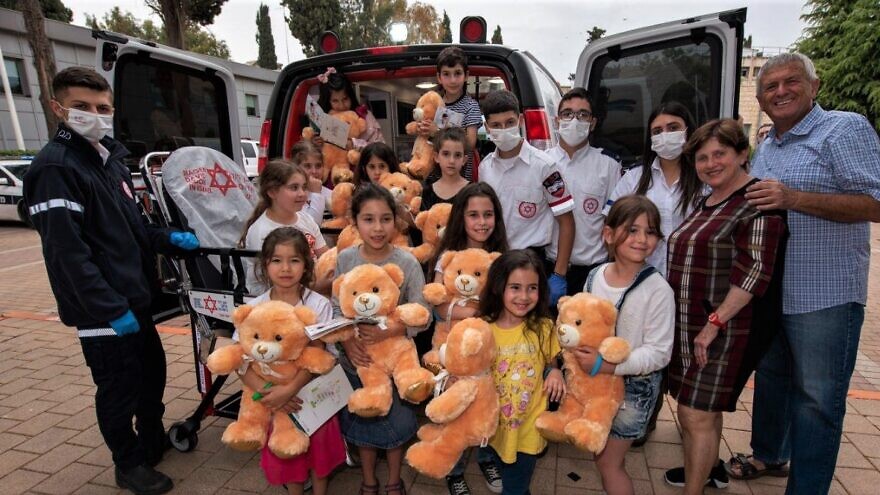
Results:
[530, 187]
[591, 176]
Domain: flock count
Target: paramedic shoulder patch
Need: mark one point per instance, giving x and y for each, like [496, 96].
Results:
[555, 185]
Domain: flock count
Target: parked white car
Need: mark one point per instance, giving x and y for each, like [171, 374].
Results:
[12, 205]
[249, 150]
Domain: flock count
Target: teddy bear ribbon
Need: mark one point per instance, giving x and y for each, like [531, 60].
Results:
[460, 302]
[265, 369]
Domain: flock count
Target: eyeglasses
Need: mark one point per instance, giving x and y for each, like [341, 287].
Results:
[582, 115]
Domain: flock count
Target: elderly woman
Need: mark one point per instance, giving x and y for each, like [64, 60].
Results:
[725, 264]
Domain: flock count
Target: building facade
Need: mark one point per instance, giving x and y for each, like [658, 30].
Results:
[74, 45]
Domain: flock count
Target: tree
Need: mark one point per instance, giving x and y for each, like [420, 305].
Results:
[265, 41]
[366, 22]
[197, 39]
[496, 36]
[595, 33]
[178, 15]
[52, 9]
[44, 57]
[307, 19]
[423, 24]
[747, 43]
[842, 39]
[445, 29]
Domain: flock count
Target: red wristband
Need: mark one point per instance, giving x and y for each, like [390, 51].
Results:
[714, 320]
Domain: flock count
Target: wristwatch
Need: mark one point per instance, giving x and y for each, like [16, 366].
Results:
[714, 320]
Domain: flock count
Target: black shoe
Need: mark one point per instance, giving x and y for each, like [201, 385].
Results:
[717, 477]
[492, 476]
[457, 485]
[143, 480]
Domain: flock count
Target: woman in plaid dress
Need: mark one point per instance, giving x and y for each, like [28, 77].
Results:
[725, 268]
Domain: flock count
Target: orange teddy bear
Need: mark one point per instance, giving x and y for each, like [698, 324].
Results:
[274, 342]
[464, 276]
[370, 291]
[422, 161]
[406, 191]
[340, 206]
[432, 223]
[466, 413]
[339, 161]
[587, 411]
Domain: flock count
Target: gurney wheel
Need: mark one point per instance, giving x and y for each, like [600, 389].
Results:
[183, 436]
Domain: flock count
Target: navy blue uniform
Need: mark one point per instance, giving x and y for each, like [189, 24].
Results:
[99, 258]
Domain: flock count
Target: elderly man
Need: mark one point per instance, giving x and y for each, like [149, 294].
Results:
[824, 168]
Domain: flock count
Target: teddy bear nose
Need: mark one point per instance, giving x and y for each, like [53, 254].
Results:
[364, 299]
[262, 349]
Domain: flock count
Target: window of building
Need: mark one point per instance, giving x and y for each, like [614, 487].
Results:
[745, 71]
[15, 71]
[251, 105]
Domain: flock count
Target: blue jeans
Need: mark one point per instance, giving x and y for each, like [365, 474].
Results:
[800, 394]
[516, 477]
[484, 455]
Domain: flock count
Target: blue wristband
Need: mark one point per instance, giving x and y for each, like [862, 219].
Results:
[597, 366]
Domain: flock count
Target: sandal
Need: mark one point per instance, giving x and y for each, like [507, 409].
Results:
[396, 487]
[747, 470]
[369, 489]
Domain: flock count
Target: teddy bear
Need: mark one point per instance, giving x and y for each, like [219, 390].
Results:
[336, 158]
[466, 413]
[464, 276]
[274, 343]
[432, 223]
[340, 206]
[587, 411]
[406, 191]
[422, 161]
[370, 291]
[325, 267]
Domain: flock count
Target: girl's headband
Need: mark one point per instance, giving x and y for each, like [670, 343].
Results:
[324, 77]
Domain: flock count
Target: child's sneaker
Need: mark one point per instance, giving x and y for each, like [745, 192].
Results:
[492, 475]
[457, 485]
[717, 477]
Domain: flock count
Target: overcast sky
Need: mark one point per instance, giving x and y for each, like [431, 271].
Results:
[554, 31]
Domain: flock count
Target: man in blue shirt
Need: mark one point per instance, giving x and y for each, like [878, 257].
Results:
[824, 168]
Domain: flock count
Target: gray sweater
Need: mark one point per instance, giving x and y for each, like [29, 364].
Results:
[413, 277]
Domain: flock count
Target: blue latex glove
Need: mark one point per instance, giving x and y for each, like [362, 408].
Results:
[184, 240]
[558, 288]
[125, 324]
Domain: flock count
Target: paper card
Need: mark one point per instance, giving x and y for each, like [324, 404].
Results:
[319, 330]
[333, 130]
[448, 118]
[321, 399]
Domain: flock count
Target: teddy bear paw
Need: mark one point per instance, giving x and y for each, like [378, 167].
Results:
[244, 437]
[370, 402]
[287, 444]
[549, 426]
[418, 392]
[587, 435]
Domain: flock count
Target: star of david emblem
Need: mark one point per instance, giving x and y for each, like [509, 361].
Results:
[223, 184]
[210, 304]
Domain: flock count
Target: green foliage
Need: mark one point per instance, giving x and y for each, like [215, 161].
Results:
[367, 21]
[52, 9]
[445, 30]
[265, 41]
[17, 153]
[198, 39]
[496, 36]
[423, 24]
[307, 19]
[842, 38]
[595, 33]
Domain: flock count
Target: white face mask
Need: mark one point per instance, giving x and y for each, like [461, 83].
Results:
[92, 126]
[668, 145]
[505, 139]
[574, 132]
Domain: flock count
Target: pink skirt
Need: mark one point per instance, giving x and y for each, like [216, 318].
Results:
[326, 452]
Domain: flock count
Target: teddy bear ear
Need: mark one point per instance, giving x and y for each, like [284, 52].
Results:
[421, 218]
[416, 187]
[241, 313]
[494, 256]
[471, 342]
[562, 300]
[395, 273]
[609, 314]
[446, 259]
[337, 284]
[305, 315]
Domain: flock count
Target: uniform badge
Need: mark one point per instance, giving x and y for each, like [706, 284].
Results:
[555, 185]
[527, 210]
[591, 205]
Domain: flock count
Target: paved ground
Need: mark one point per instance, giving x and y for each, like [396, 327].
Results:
[50, 444]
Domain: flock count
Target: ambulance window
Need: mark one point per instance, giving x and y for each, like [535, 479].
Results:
[162, 107]
[629, 88]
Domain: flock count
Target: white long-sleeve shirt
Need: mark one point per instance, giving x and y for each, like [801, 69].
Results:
[646, 321]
